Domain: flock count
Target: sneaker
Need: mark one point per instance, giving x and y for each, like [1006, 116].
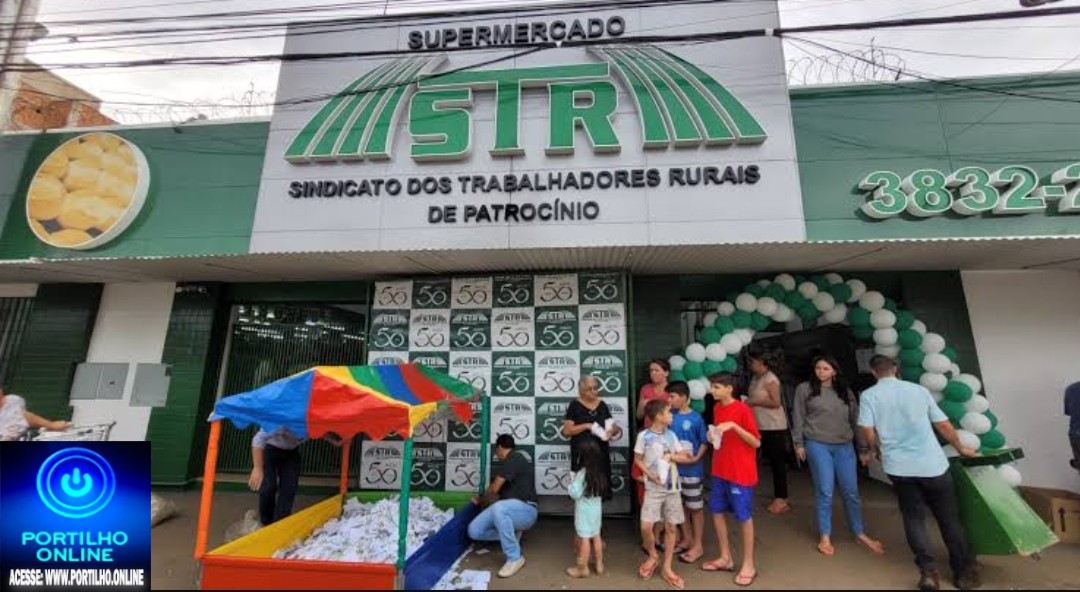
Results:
[512, 567]
[929, 579]
[967, 580]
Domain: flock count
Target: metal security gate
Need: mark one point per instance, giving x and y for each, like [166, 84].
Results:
[14, 317]
[271, 341]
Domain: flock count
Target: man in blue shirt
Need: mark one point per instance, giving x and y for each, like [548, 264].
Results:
[900, 418]
[1072, 409]
[689, 428]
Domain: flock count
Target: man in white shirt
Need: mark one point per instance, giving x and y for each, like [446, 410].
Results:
[275, 471]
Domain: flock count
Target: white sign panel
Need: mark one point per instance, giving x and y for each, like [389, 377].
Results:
[600, 140]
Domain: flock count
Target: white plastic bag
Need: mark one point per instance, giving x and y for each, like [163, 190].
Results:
[242, 528]
[161, 509]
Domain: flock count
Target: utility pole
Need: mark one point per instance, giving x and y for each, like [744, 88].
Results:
[18, 27]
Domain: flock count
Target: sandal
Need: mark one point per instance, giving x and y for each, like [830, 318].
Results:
[715, 565]
[687, 558]
[675, 580]
[874, 545]
[645, 571]
[745, 580]
[826, 549]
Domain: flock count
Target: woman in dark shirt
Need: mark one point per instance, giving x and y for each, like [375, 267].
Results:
[581, 414]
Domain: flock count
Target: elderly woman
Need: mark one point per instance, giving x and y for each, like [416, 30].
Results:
[15, 420]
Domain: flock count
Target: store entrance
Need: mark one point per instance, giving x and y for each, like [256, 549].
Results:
[269, 341]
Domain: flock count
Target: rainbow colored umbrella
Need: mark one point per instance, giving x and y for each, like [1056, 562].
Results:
[348, 400]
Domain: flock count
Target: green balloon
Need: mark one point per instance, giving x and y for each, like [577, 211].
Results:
[794, 300]
[905, 320]
[694, 370]
[911, 372]
[910, 339]
[710, 335]
[993, 419]
[950, 352]
[953, 409]
[776, 292]
[912, 357]
[821, 283]
[711, 367]
[890, 304]
[730, 365]
[678, 375]
[756, 290]
[808, 312]
[741, 319]
[859, 317]
[840, 292]
[862, 332]
[698, 405]
[957, 391]
[724, 325]
[992, 439]
[759, 322]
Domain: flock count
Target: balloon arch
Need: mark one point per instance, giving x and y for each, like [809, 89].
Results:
[923, 357]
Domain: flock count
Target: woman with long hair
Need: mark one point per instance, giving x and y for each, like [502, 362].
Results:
[823, 428]
[763, 396]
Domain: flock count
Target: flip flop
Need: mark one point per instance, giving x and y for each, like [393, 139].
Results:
[686, 559]
[675, 581]
[741, 580]
[826, 550]
[715, 565]
[645, 570]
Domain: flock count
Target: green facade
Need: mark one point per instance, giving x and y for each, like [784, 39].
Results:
[843, 134]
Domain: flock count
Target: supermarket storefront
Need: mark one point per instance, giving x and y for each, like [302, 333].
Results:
[523, 219]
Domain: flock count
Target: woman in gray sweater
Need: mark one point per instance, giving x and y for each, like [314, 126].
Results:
[823, 429]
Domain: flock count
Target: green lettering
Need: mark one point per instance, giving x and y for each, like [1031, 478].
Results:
[566, 116]
[440, 124]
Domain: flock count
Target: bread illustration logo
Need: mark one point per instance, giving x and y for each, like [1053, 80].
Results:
[87, 192]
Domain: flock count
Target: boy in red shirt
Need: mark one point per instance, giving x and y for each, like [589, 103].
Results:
[734, 474]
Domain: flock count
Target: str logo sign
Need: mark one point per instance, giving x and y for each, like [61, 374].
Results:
[678, 104]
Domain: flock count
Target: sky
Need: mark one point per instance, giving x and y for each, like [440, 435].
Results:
[136, 95]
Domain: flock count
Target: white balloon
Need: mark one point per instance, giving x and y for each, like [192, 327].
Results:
[833, 278]
[858, 288]
[677, 363]
[786, 280]
[954, 370]
[745, 335]
[936, 363]
[710, 319]
[972, 381]
[763, 283]
[783, 313]
[725, 309]
[934, 381]
[976, 423]
[968, 440]
[938, 396]
[808, 289]
[933, 343]
[919, 327]
[767, 306]
[950, 451]
[695, 352]
[872, 301]
[883, 319]
[838, 314]
[1010, 475]
[746, 302]
[731, 343]
[824, 302]
[697, 391]
[889, 351]
[886, 336]
[977, 404]
[715, 352]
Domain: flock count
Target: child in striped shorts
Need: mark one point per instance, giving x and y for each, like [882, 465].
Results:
[689, 427]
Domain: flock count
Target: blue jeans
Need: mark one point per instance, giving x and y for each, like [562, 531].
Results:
[829, 464]
[501, 521]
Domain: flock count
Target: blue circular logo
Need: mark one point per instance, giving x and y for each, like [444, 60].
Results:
[76, 482]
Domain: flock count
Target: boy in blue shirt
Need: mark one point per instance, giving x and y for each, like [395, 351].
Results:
[689, 427]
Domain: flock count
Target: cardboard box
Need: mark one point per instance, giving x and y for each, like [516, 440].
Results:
[1060, 509]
